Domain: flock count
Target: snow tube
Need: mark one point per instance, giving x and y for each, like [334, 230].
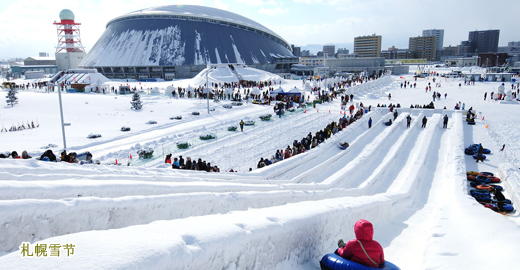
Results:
[479, 192]
[472, 173]
[333, 261]
[471, 122]
[493, 206]
[486, 151]
[483, 156]
[472, 178]
[388, 123]
[487, 173]
[475, 184]
[493, 179]
[508, 201]
[507, 207]
[481, 178]
[343, 146]
[470, 151]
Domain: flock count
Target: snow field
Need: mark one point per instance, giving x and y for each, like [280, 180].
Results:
[411, 183]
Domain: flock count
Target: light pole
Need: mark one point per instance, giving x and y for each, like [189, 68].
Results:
[207, 85]
[62, 123]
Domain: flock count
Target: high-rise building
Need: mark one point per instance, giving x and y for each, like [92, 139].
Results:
[296, 51]
[368, 46]
[512, 48]
[439, 34]
[343, 51]
[423, 47]
[306, 53]
[329, 50]
[395, 53]
[483, 41]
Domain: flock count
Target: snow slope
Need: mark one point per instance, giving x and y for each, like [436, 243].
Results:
[409, 182]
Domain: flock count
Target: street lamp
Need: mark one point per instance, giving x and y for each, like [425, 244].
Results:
[62, 123]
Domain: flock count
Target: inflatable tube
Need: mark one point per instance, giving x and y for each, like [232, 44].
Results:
[343, 146]
[493, 206]
[507, 207]
[483, 156]
[481, 178]
[475, 184]
[472, 178]
[388, 123]
[479, 192]
[486, 151]
[471, 123]
[333, 261]
[487, 173]
[508, 201]
[494, 179]
[470, 151]
[472, 173]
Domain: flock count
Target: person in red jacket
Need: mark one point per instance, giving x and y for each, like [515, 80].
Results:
[363, 249]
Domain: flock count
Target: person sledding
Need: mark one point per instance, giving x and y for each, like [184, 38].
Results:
[344, 145]
[363, 249]
[389, 123]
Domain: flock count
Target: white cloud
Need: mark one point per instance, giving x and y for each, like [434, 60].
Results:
[257, 3]
[273, 11]
[220, 5]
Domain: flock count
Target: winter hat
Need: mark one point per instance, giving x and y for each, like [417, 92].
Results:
[45, 159]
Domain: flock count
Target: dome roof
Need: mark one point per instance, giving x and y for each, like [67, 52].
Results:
[202, 13]
[66, 14]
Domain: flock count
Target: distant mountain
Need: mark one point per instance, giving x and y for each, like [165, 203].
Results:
[315, 48]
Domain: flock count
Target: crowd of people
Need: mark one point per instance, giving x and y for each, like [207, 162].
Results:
[189, 164]
[309, 142]
[15, 155]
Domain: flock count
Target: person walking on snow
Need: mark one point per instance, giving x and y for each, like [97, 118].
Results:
[242, 125]
[424, 121]
[408, 120]
[485, 95]
[369, 122]
[445, 122]
[480, 153]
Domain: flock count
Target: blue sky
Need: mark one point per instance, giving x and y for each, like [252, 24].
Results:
[27, 24]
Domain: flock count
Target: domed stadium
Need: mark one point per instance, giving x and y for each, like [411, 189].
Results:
[178, 41]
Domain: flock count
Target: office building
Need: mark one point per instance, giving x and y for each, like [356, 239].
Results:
[423, 47]
[368, 46]
[329, 50]
[483, 41]
[439, 35]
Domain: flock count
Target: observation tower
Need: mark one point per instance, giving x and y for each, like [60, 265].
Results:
[69, 51]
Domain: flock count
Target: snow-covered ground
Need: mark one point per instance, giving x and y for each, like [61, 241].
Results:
[409, 182]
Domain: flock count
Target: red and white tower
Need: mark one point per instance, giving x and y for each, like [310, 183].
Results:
[68, 33]
[69, 52]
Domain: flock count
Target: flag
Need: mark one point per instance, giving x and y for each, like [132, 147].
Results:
[116, 161]
[305, 111]
[130, 156]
